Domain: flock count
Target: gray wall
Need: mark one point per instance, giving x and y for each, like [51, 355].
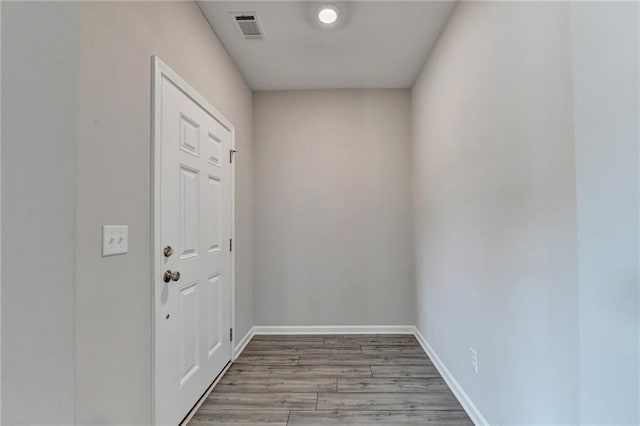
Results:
[332, 221]
[606, 122]
[113, 299]
[39, 75]
[76, 155]
[495, 209]
[526, 207]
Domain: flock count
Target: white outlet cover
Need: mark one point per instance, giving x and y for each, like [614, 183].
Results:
[115, 240]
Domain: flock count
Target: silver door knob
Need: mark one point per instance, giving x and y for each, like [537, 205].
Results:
[168, 251]
[170, 276]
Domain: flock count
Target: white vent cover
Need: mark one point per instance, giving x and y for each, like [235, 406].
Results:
[248, 24]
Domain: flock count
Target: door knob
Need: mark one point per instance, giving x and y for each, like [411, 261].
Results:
[170, 276]
[168, 251]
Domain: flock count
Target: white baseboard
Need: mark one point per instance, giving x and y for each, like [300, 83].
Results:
[466, 402]
[335, 329]
[243, 343]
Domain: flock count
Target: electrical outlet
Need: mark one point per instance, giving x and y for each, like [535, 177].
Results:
[474, 360]
[115, 240]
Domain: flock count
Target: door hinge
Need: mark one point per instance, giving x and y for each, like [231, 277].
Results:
[230, 244]
[231, 152]
[231, 334]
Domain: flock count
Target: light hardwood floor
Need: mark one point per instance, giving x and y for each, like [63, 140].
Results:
[331, 380]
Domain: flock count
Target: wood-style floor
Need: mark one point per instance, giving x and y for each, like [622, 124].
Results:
[331, 380]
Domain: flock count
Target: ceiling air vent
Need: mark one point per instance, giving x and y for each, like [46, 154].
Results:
[248, 25]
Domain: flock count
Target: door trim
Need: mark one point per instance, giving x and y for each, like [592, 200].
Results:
[158, 70]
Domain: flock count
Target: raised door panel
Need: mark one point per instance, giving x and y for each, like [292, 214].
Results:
[189, 212]
[214, 327]
[189, 136]
[189, 344]
[215, 150]
[214, 218]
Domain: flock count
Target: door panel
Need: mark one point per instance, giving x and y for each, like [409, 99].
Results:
[214, 328]
[214, 218]
[193, 313]
[188, 199]
[189, 338]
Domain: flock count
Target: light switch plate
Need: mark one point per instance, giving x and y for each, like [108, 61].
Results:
[115, 239]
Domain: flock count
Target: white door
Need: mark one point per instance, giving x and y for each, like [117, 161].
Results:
[192, 309]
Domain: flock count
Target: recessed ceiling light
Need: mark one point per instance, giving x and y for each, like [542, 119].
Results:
[328, 14]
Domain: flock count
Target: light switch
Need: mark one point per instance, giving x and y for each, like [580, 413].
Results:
[115, 239]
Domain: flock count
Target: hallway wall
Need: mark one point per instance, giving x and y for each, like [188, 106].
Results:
[496, 211]
[76, 77]
[113, 295]
[606, 71]
[526, 207]
[39, 102]
[332, 208]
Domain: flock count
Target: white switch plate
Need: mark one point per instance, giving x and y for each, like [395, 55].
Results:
[115, 239]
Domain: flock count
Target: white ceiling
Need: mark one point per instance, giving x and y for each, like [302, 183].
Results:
[375, 44]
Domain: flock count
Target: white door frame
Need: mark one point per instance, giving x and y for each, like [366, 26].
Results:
[158, 70]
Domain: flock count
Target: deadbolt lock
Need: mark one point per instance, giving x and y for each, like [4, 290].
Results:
[168, 251]
[170, 276]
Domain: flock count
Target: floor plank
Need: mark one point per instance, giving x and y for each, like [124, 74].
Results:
[402, 384]
[272, 337]
[261, 401]
[267, 359]
[387, 401]
[250, 370]
[362, 360]
[404, 371]
[379, 418]
[373, 340]
[277, 384]
[303, 350]
[395, 350]
[214, 417]
[298, 341]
